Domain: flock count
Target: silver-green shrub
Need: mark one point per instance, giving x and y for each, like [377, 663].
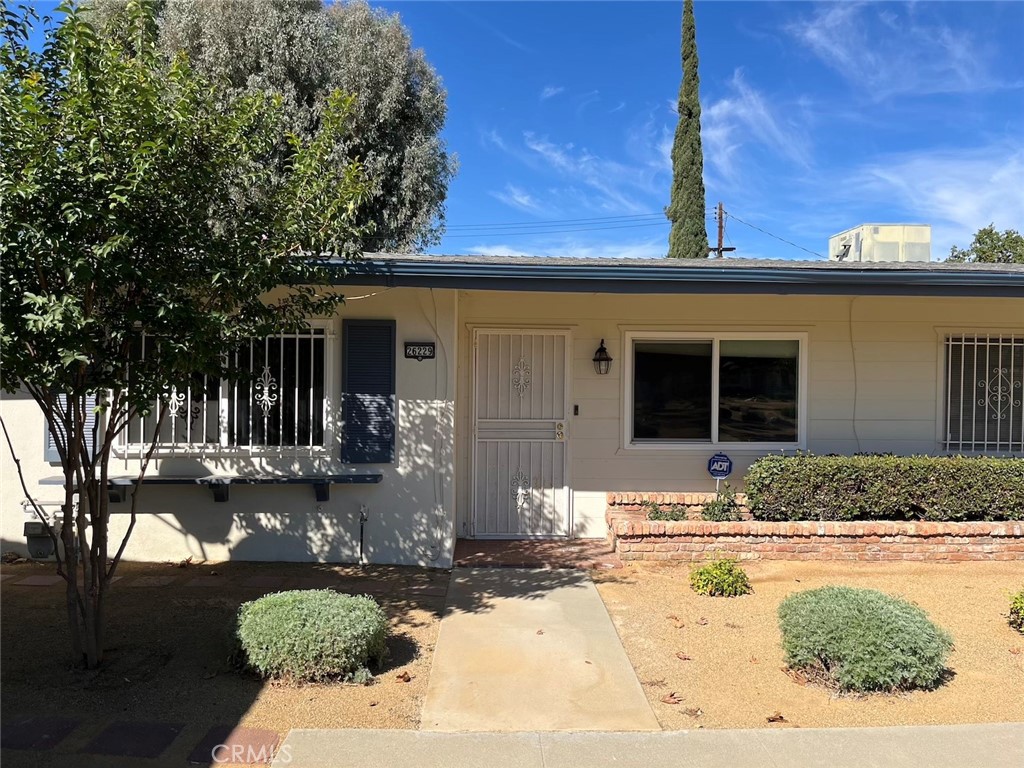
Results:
[861, 640]
[311, 636]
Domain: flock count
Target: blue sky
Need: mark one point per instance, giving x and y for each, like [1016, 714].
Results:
[817, 117]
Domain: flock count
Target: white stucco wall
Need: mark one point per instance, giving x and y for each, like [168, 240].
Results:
[873, 376]
[410, 512]
[873, 383]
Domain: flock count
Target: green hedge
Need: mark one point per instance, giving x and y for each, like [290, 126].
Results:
[883, 487]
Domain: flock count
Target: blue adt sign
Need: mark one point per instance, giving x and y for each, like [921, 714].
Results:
[719, 466]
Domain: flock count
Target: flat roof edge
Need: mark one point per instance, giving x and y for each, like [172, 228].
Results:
[678, 279]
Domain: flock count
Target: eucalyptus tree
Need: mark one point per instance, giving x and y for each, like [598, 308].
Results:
[131, 207]
[302, 50]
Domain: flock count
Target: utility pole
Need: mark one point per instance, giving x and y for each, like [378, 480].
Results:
[721, 249]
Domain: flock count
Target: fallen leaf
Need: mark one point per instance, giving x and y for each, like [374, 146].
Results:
[693, 711]
[540, 631]
[702, 621]
[374, 703]
[587, 662]
[683, 657]
[405, 677]
[794, 675]
[776, 717]
[753, 660]
[655, 683]
[671, 698]
[1015, 651]
[730, 625]
[672, 617]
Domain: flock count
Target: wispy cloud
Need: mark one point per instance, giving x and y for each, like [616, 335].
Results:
[744, 117]
[586, 99]
[956, 191]
[883, 53]
[616, 187]
[486, 25]
[650, 248]
[516, 197]
[492, 138]
[550, 91]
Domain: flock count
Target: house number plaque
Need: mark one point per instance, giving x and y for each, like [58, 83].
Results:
[419, 350]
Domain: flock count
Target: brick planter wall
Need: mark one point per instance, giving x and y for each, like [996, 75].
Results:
[637, 538]
[692, 502]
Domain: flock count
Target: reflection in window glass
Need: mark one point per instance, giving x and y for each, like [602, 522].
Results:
[758, 391]
[672, 390]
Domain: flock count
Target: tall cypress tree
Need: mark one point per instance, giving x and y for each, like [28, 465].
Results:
[688, 238]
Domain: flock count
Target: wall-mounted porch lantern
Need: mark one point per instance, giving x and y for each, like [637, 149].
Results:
[602, 360]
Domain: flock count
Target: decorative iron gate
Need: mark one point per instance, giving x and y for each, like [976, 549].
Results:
[520, 429]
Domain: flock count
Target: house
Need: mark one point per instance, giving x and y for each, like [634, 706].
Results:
[506, 397]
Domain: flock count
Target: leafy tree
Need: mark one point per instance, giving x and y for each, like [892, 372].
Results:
[303, 50]
[129, 209]
[688, 238]
[992, 247]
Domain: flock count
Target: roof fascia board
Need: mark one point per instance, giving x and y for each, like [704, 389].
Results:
[675, 279]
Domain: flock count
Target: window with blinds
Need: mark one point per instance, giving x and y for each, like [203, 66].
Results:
[985, 393]
[50, 452]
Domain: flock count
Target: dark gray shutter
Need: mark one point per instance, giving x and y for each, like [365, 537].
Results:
[368, 391]
[50, 449]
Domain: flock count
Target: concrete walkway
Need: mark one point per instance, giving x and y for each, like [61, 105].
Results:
[530, 650]
[964, 746]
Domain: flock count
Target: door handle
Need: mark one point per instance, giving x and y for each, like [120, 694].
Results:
[560, 431]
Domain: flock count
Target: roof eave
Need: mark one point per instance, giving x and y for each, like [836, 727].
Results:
[675, 279]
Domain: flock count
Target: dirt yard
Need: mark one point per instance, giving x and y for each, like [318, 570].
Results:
[169, 646]
[734, 676]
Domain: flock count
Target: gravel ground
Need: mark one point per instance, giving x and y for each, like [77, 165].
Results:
[735, 679]
[168, 650]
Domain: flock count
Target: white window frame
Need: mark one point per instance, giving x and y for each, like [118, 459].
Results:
[944, 391]
[126, 450]
[715, 337]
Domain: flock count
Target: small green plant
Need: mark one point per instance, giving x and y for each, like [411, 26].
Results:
[1016, 616]
[655, 511]
[721, 578]
[311, 636]
[723, 508]
[861, 640]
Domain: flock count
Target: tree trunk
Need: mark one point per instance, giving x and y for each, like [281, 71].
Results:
[67, 537]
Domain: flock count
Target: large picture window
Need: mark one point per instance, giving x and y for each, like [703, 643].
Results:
[984, 392]
[716, 390]
[279, 401]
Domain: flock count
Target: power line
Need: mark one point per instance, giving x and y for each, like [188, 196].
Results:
[780, 239]
[559, 222]
[553, 222]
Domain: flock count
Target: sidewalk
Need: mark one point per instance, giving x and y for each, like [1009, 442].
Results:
[530, 650]
[963, 746]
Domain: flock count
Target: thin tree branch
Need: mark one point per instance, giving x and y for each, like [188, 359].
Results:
[32, 501]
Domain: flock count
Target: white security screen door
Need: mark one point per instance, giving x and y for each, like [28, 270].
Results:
[520, 427]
